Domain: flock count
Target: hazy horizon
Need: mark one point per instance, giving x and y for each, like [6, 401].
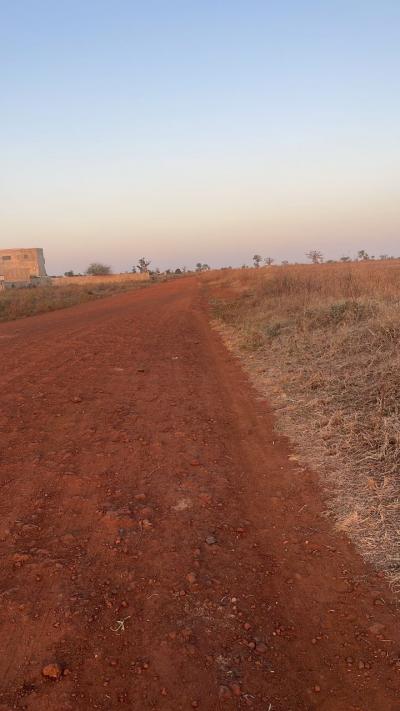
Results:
[188, 132]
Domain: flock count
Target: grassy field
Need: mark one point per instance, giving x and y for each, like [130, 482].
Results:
[322, 341]
[18, 303]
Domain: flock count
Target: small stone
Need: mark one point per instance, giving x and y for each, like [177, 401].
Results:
[76, 399]
[361, 665]
[261, 648]
[235, 688]
[52, 671]
[191, 578]
[140, 497]
[376, 628]
[164, 692]
[317, 689]
[247, 626]
[195, 704]
[379, 601]
[210, 540]
[252, 645]
[195, 463]
[349, 660]
[224, 693]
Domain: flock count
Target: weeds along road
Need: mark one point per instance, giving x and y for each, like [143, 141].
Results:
[159, 549]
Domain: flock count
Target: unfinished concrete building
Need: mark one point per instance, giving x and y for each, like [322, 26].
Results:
[22, 268]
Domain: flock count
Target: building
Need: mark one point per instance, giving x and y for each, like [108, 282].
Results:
[22, 268]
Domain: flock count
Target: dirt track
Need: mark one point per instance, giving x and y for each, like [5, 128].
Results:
[128, 437]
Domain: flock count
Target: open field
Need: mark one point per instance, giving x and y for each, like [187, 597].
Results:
[18, 303]
[161, 547]
[323, 342]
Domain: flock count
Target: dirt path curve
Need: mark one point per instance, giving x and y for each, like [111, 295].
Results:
[141, 481]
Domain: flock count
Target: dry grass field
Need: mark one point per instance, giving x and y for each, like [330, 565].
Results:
[322, 341]
[18, 303]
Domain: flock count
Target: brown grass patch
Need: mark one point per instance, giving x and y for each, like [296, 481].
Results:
[18, 303]
[323, 342]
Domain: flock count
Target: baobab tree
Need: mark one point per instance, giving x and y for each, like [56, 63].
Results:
[257, 259]
[143, 265]
[363, 255]
[315, 256]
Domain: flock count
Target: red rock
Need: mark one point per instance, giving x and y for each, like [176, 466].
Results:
[261, 648]
[224, 693]
[376, 628]
[191, 578]
[247, 626]
[52, 671]
[235, 688]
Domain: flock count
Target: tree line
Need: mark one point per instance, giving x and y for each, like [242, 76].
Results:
[142, 267]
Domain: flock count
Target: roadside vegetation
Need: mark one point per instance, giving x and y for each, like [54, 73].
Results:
[322, 341]
[18, 303]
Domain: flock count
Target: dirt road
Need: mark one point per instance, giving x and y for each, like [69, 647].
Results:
[157, 542]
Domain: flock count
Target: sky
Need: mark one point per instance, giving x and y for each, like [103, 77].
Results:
[188, 130]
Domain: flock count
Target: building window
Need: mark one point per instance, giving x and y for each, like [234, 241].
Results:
[26, 256]
[6, 258]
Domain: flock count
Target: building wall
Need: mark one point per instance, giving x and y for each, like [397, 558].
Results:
[21, 264]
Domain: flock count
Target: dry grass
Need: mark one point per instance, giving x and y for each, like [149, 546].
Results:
[18, 303]
[323, 342]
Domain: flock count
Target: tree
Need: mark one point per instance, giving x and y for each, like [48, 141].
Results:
[143, 265]
[98, 269]
[362, 254]
[268, 261]
[257, 259]
[315, 256]
[178, 271]
[384, 256]
[202, 267]
[345, 259]
[133, 270]
[285, 262]
[70, 273]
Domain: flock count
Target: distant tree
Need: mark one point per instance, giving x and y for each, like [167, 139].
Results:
[178, 271]
[268, 261]
[345, 259]
[202, 267]
[257, 259]
[143, 265]
[133, 270]
[315, 256]
[384, 256]
[98, 269]
[363, 255]
[331, 261]
[285, 262]
[70, 273]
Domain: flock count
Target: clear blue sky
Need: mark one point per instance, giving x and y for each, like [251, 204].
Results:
[191, 131]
